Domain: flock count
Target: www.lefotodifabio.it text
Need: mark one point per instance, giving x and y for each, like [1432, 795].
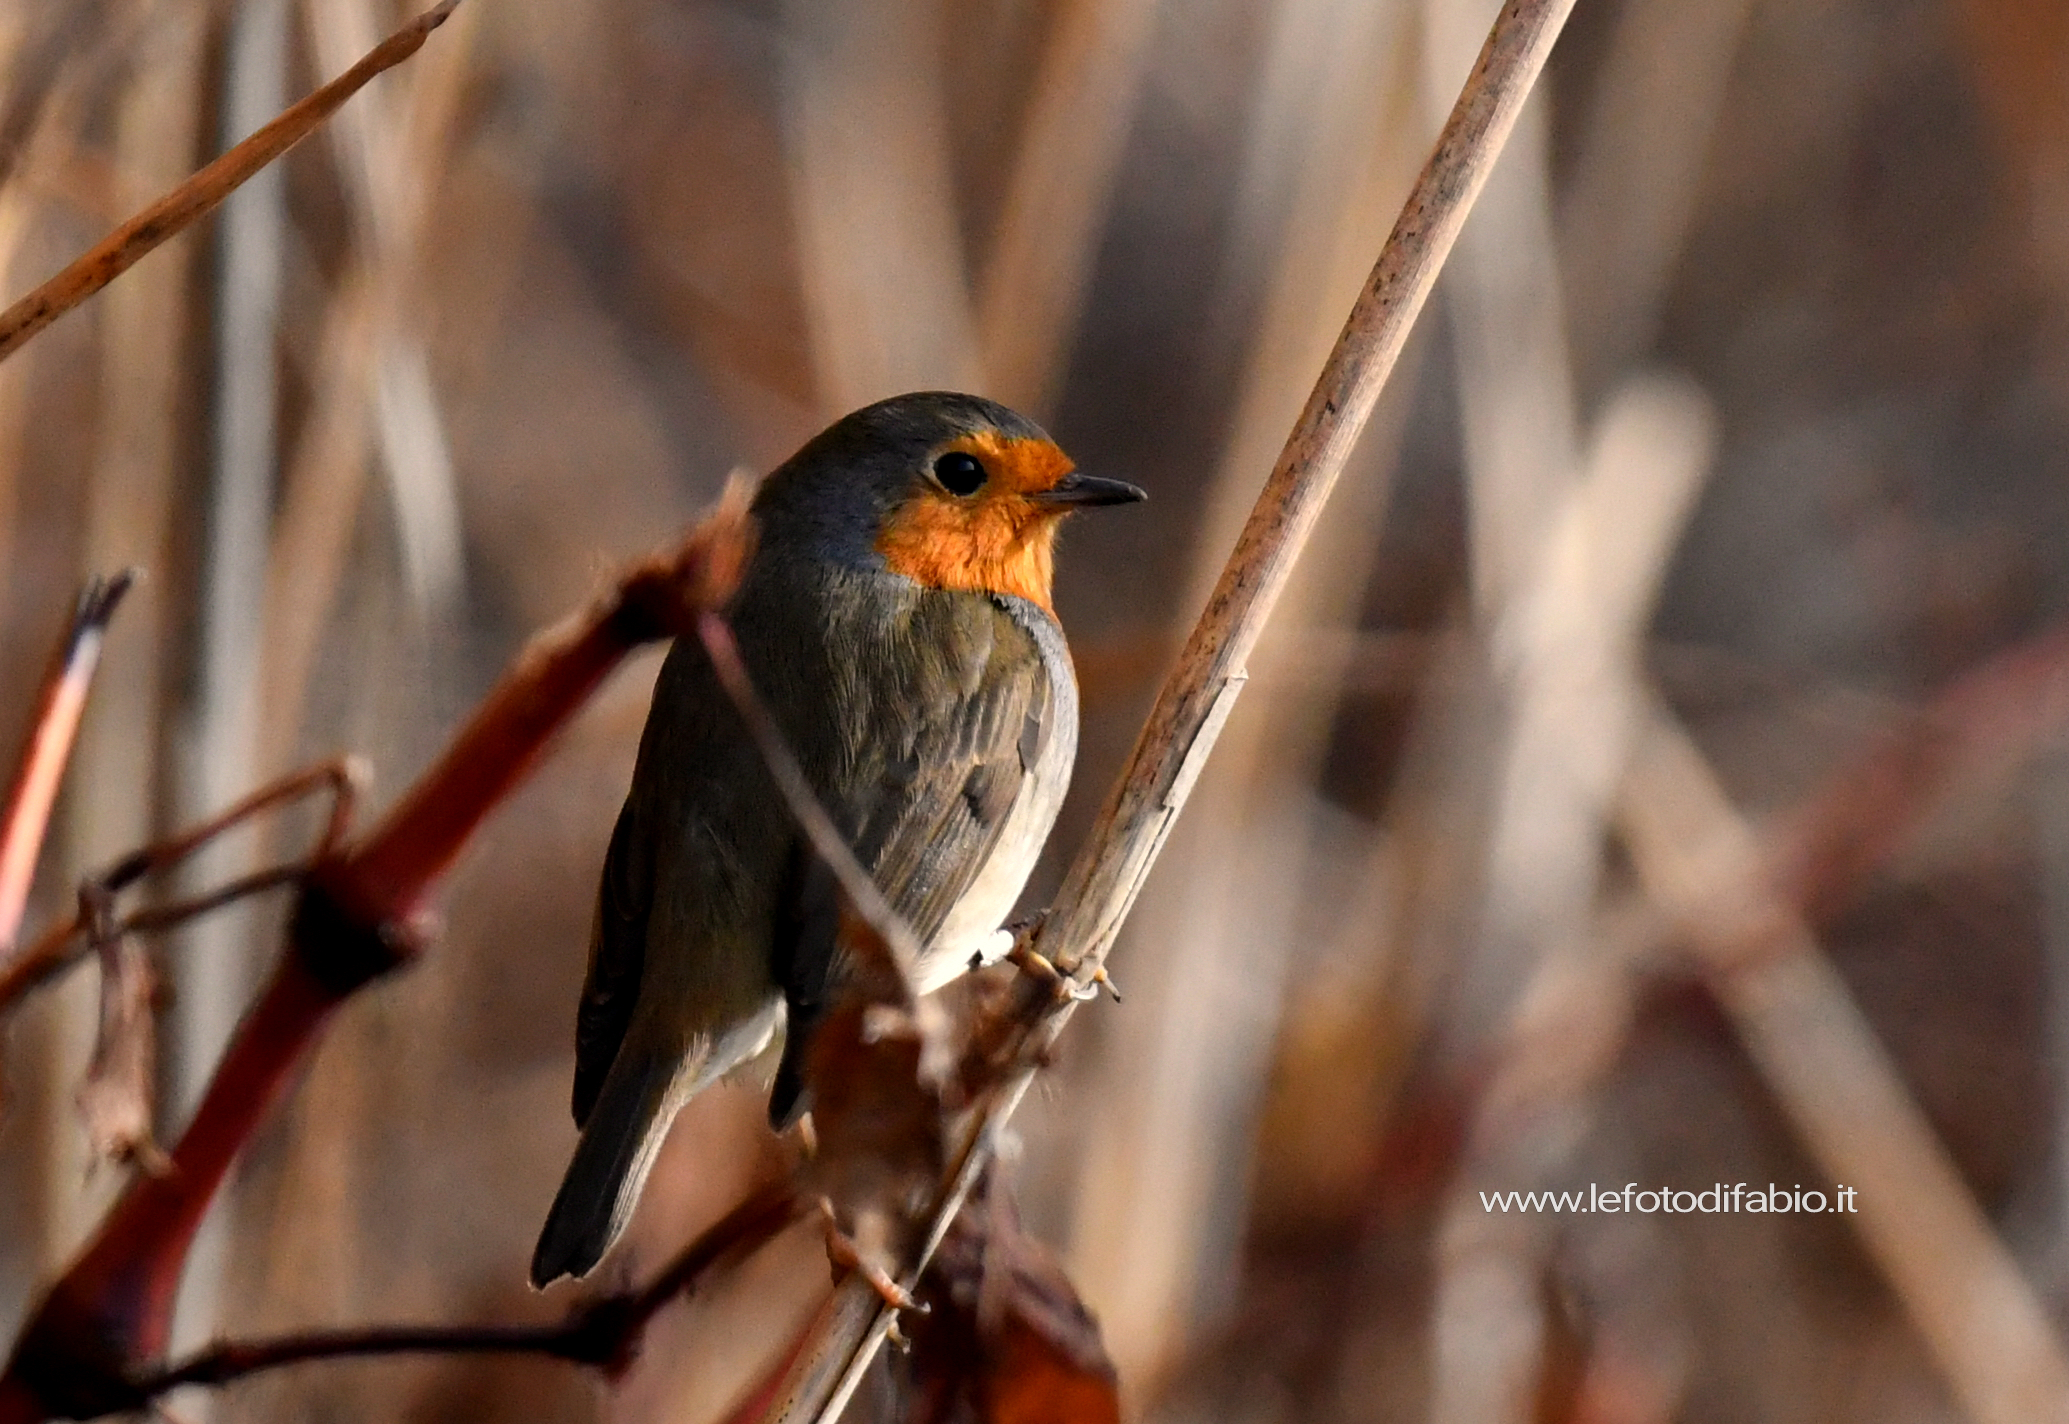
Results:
[1719, 1197]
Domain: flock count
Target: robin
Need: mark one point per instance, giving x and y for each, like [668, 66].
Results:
[896, 619]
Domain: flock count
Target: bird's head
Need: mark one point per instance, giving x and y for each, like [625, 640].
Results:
[951, 491]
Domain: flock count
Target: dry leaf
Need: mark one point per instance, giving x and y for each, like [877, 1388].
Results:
[1006, 1339]
[877, 1116]
[115, 1099]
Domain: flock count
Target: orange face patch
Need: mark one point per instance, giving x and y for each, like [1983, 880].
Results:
[997, 540]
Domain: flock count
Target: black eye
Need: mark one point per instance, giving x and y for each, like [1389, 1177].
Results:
[960, 472]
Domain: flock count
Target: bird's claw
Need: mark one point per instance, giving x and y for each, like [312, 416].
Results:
[1031, 961]
[893, 1294]
[842, 1250]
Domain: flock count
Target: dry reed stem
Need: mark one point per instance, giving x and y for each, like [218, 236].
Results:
[1571, 1019]
[1491, 908]
[1338, 131]
[1631, 200]
[1561, 638]
[319, 506]
[1979, 1317]
[1196, 699]
[1996, 717]
[14, 381]
[886, 298]
[1060, 189]
[55, 53]
[47, 126]
[1519, 423]
[122, 248]
[1568, 639]
[34, 45]
[221, 957]
[373, 401]
[388, 150]
[141, 329]
[1215, 940]
[1522, 448]
[1624, 216]
[57, 171]
[1396, 938]
[48, 144]
[388, 162]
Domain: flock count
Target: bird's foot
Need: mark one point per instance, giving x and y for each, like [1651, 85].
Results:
[844, 1252]
[1029, 960]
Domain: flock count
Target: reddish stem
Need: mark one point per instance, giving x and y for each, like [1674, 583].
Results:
[115, 1303]
[356, 920]
[52, 730]
[603, 1333]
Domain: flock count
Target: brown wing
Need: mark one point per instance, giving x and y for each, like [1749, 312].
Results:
[937, 827]
[953, 761]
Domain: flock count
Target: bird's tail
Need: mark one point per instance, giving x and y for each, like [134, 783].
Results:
[641, 1094]
[619, 1142]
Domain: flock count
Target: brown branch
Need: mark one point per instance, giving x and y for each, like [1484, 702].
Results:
[360, 915]
[49, 746]
[1197, 697]
[121, 249]
[343, 777]
[602, 1334]
[65, 943]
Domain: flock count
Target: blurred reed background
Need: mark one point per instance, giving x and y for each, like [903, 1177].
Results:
[1737, 434]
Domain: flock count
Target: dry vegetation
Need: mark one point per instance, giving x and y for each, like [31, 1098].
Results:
[1651, 773]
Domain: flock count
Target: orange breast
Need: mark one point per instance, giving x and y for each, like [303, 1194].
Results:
[996, 541]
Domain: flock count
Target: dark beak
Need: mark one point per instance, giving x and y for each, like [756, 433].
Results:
[1076, 489]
